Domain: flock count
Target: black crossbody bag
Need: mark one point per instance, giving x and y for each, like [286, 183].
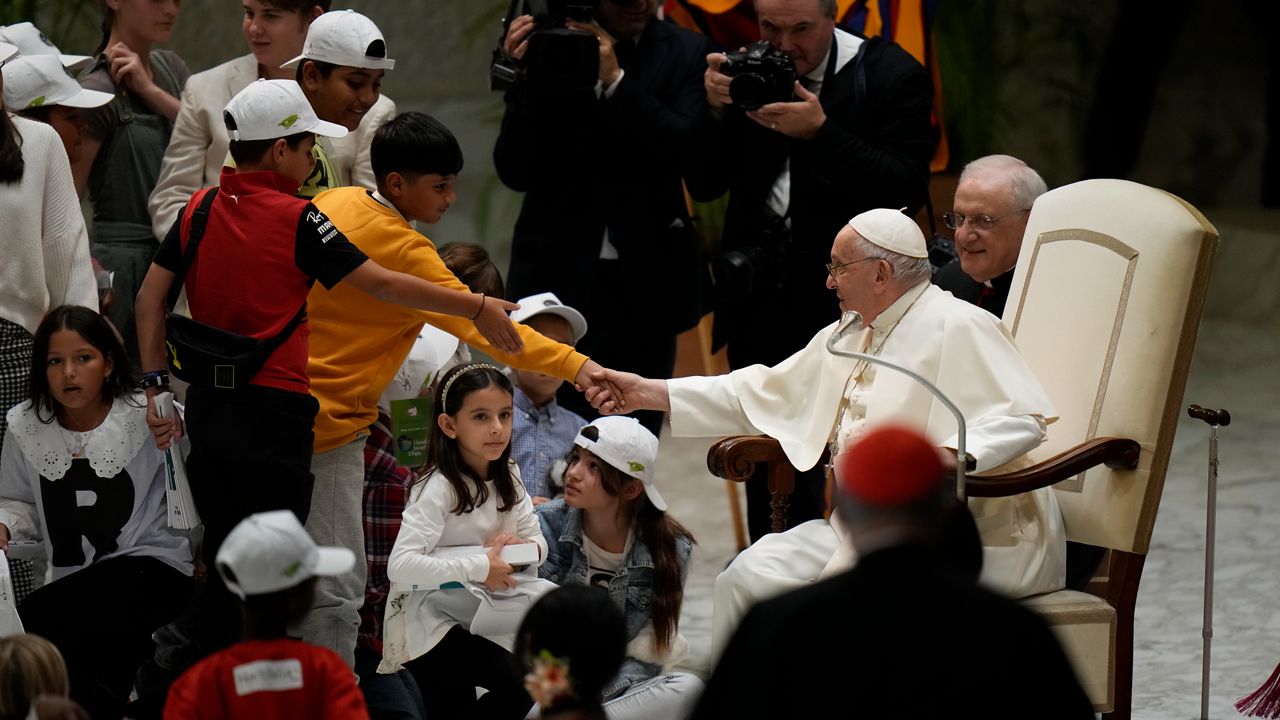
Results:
[205, 355]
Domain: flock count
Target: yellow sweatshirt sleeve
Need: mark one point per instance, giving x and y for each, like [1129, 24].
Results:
[540, 353]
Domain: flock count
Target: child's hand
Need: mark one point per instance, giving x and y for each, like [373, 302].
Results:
[539, 500]
[499, 577]
[496, 327]
[167, 430]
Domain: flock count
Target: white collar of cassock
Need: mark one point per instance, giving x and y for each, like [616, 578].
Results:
[888, 319]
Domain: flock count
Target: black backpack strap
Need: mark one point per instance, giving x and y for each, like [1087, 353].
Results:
[195, 233]
[199, 219]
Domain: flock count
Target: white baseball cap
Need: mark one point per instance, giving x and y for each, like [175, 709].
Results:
[269, 109]
[271, 551]
[548, 304]
[30, 41]
[33, 81]
[891, 230]
[627, 446]
[344, 37]
[7, 51]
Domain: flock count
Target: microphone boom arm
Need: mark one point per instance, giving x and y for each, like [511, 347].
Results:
[946, 401]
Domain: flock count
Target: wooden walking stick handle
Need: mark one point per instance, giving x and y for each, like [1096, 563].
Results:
[1221, 418]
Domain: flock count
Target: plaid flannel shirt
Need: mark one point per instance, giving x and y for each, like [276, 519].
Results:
[386, 490]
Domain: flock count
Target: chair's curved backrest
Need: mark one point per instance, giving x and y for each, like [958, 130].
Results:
[1105, 305]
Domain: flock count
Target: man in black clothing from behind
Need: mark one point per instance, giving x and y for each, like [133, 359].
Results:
[913, 633]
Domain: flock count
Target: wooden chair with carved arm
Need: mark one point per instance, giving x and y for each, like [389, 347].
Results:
[1105, 306]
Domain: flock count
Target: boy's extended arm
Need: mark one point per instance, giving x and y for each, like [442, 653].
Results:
[149, 311]
[488, 314]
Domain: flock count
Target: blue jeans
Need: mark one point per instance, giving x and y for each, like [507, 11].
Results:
[389, 697]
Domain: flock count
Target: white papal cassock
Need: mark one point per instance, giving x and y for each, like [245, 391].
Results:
[962, 349]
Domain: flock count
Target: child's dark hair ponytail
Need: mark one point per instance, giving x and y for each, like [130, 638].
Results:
[108, 20]
[659, 532]
[11, 161]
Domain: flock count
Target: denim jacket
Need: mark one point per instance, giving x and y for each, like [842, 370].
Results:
[631, 589]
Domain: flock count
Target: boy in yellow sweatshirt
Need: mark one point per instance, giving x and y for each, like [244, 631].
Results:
[358, 343]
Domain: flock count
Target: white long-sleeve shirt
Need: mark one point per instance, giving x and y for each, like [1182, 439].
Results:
[419, 611]
[42, 234]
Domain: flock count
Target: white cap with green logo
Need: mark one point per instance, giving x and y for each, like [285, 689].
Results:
[33, 81]
[626, 445]
[269, 109]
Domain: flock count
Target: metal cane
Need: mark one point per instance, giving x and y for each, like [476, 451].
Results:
[1215, 419]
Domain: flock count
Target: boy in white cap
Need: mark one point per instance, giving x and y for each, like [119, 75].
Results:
[542, 431]
[262, 249]
[271, 564]
[38, 87]
[343, 61]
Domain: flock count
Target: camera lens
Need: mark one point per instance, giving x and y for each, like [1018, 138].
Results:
[749, 91]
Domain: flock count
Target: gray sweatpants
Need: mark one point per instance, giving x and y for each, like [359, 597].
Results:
[336, 519]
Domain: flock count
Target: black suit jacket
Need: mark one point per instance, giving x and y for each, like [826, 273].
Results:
[952, 278]
[585, 164]
[898, 636]
[872, 152]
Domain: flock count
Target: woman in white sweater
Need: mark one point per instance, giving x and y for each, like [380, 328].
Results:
[43, 243]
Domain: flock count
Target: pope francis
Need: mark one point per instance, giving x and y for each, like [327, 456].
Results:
[880, 270]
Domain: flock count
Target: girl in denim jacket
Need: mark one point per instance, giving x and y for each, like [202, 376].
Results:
[611, 530]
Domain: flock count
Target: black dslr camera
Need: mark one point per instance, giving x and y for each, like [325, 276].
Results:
[557, 57]
[755, 265]
[761, 75]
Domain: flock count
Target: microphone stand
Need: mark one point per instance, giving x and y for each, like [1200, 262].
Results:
[853, 319]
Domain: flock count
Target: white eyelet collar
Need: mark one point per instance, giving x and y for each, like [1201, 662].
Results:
[108, 447]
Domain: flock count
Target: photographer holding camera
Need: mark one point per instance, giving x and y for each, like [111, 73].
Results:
[600, 156]
[855, 136]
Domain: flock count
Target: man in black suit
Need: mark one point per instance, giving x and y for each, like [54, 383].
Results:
[989, 217]
[907, 632]
[796, 172]
[604, 224]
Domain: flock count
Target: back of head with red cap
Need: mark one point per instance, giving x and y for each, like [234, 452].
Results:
[891, 466]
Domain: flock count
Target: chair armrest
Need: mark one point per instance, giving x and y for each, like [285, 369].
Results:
[1115, 453]
[735, 458]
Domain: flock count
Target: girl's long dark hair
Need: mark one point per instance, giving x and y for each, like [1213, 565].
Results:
[93, 328]
[11, 162]
[659, 532]
[442, 450]
[108, 20]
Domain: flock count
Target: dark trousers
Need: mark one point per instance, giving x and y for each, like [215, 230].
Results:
[250, 452]
[393, 696]
[101, 619]
[449, 674]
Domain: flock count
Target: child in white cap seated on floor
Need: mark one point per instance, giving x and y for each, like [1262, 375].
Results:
[542, 431]
[271, 563]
